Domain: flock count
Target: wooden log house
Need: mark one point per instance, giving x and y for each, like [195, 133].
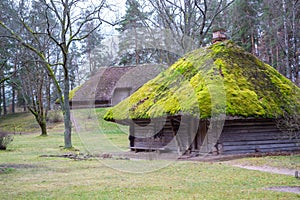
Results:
[218, 100]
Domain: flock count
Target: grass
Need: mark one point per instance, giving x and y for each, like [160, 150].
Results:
[27, 175]
[288, 162]
[21, 122]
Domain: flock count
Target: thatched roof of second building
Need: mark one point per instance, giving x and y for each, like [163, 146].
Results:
[208, 81]
[100, 88]
[100, 85]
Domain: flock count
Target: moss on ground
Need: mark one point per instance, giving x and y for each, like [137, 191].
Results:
[219, 79]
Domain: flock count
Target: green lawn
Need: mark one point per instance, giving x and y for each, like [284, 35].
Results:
[24, 174]
[288, 162]
[21, 122]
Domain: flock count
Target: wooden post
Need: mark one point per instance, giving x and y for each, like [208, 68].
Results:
[175, 135]
[131, 135]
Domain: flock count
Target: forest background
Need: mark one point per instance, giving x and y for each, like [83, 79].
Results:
[50, 47]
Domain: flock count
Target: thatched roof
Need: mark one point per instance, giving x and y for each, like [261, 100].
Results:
[219, 79]
[101, 86]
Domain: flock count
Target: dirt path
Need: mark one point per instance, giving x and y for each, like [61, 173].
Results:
[291, 189]
[268, 169]
[274, 170]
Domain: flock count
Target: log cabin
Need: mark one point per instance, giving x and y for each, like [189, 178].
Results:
[216, 100]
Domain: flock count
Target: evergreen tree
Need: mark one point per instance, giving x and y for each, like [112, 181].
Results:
[90, 44]
[130, 41]
[245, 20]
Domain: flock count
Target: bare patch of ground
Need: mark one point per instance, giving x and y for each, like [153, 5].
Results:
[291, 189]
[8, 168]
[17, 166]
[268, 169]
[273, 170]
[3, 134]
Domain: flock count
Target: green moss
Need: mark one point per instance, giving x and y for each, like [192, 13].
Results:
[71, 94]
[222, 78]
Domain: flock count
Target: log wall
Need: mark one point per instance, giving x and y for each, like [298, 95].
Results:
[154, 134]
[251, 136]
[184, 134]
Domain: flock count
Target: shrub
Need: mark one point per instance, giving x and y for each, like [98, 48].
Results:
[55, 116]
[5, 140]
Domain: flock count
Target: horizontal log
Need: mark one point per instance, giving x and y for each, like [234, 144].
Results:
[237, 152]
[244, 140]
[296, 148]
[253, 123]
[254, 142]
[250, 130]
[147, 145]
[261, 150]
[259, 146]
[247, 137]
[245, 121]
[241, 124]
[253, 130]
[152, 127]
[147, 148]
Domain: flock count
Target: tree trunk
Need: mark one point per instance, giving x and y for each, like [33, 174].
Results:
[66, 104]
[0, 100]
[137, 57]
[25, 105]
[286, 42]
[253, 44]
[4, 100]
[41, 120]
[295, 50]
[278, 64]
[67, 115]
[43, 126]
[13, 100]
[48, 95]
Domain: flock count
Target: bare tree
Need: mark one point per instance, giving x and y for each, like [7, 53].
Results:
[33, 84]
[192, 18]
[2, 77]
[295, 31]
[286, 40]
[279, 39]
[64, 20]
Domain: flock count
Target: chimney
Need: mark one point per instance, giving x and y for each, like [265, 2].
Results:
[219, 35]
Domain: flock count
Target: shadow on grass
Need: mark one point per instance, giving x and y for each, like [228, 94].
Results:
[10, 168]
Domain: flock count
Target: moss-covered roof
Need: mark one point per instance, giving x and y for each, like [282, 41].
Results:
[219, 79]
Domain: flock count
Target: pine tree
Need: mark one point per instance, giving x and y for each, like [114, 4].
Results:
[245, 22]
[131, 43]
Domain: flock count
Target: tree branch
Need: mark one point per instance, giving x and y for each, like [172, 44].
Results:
[39, 54]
